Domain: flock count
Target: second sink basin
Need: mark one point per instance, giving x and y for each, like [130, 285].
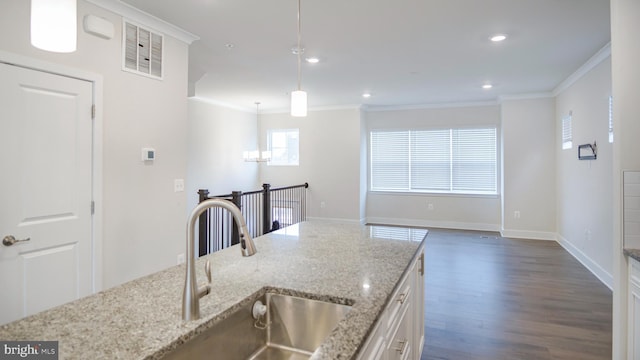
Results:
[292, 329]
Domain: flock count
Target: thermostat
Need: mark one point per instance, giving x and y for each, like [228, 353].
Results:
[148, 154]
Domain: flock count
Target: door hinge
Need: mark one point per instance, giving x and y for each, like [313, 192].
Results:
[93, 112]
[93, 207]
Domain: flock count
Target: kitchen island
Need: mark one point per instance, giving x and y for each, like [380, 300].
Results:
[324, 260]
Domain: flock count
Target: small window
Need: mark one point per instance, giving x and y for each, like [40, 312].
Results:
[611, 119]
[567, 137]
[284, 144]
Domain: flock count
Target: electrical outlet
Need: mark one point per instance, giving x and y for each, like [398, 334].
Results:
[323, 204]
[430, 207]
[178, 185]
[181, 259]
[516, 214]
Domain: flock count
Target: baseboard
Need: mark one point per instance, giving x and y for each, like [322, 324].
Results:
[433, 224]
[527, 234]
[585, 260]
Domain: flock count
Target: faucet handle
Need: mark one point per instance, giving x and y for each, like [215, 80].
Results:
[207, 270]
[206, 289]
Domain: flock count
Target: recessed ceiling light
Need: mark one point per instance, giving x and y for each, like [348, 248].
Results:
[229, 46]
[498, 37]
[487, 86]
[313, 60]
[366, 95]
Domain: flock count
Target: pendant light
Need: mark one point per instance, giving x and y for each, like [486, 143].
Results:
[299, 97]
[54, 25]
[257, 155]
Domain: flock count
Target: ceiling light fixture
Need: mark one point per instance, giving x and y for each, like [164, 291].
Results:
[366, 95]
[299, 97]
[498, 37]
[487, 86]
[256, 155]
[312, 60]
[54, 25]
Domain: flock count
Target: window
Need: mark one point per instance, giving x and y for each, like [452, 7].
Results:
[567, 140]
[445, 161]
[611, 119]
[283, 144]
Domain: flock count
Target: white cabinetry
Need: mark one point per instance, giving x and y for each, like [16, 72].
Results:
[633, 316]
[418, 310]
[375, 348]
[399, 332]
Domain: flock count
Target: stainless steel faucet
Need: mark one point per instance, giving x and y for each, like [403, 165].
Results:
[192, 294]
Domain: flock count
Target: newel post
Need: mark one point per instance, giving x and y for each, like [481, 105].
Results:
[236, 198]
[203, 224]
[266, 208]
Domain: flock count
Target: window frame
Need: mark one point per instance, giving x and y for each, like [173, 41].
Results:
[286, 131]
[450, 192]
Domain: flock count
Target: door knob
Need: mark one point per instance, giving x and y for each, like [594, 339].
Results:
[10, 240]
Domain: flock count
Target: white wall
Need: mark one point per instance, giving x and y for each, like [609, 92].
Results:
[450, 211]
[217, 137]
[143, 222]
[329, 161]
[585, 187]
[364, 153]
[528, 182]
[625, 56]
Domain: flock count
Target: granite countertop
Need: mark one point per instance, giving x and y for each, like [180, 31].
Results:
[634, 253]
[141, 319]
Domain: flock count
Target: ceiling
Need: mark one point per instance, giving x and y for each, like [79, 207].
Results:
[403, 52]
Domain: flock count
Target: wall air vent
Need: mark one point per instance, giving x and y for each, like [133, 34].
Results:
[142, 51]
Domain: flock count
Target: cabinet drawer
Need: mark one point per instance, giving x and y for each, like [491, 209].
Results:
[400, 341]
[399, 301]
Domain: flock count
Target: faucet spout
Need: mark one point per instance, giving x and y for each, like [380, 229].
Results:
[191, 294]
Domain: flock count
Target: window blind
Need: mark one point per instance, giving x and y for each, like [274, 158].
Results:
[567, 138]
[610, 119]
[431, 160]
[390, 170]
[446, 160]
[474, 160]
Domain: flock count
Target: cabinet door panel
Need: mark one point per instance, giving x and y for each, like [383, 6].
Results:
[400, 342]
[418, 307]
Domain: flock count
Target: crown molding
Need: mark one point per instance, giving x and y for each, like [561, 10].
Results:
[129, 12]
[315, 108]
[224, 104]
[525, 96]
[375, 108]
[594, 61]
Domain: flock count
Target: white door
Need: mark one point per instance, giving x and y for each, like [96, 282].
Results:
[45, 190]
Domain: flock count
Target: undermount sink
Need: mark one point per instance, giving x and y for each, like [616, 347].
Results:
[292, 328]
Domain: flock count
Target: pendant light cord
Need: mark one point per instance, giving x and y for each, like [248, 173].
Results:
[299, 49]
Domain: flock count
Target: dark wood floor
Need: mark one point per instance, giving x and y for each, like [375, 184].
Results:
[488, 297]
